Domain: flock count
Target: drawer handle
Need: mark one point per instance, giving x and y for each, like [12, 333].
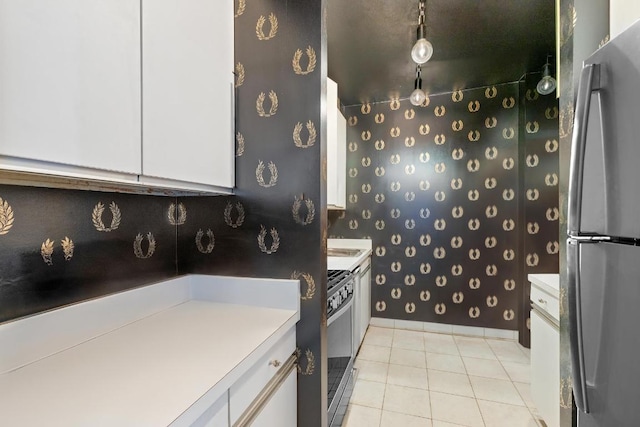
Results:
[542, 301]
[275, 363]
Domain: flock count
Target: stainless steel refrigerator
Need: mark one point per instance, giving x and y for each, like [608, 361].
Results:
[604, 234]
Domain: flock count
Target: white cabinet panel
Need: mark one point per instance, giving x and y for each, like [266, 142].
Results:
[70, 82]
[281, 411]
[247, 388]
[187, 74]
[336, 150]
[545, 368]
[217, 415]
[365, 299]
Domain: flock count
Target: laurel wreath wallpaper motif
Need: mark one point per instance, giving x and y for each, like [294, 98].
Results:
[440, 190]
[59, 247]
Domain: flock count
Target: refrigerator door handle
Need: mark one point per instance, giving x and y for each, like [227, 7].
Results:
[589, 82]
[575, 326]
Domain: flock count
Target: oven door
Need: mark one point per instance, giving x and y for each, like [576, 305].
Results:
[340, 360]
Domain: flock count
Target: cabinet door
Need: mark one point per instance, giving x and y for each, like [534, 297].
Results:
[217, 415]
[187, 90]
[336, 150]
[365, 306]
[281, 411]
[70, 79]
[243, 392]
[545, 369]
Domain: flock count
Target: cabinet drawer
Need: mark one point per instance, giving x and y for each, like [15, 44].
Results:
[546, 302]
[242, 393]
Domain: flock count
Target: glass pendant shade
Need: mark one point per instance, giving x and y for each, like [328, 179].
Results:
[417, 97]
[423, 49]
[547, 83]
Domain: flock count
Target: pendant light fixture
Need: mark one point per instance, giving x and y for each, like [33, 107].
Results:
[547, 83]
[422, 49]
[418, 96]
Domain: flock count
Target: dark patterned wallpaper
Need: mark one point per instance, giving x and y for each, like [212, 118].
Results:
[440, 191]
[59, 247]
[540, 192]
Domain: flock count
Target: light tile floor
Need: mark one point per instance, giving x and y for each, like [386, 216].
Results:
[409, 378]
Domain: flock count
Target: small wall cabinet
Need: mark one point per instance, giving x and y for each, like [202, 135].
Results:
[336, 150]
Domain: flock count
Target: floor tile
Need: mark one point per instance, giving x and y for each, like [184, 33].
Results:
[508, 351]
[524, 389]
[440, 343]
[372, 371]
[362, 416]
[396, 419]
[485, 368]
[445, 362]
[411, 325]
[395, 388]
[374, 353]
[455, 409]
[379, 336]
[448, 382]
[518, 372]
[438, 423]
[501, 415]
[407, 376]
[414, 358]
[408, 340]
[368, 393]
[474, 347]
[407, 400]
[496, 390]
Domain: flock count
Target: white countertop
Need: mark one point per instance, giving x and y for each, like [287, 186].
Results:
[348, 263]
[550, 283]
[148, 372]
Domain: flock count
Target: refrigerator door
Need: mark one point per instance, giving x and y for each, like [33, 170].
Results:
[608, 280]
[604, 198]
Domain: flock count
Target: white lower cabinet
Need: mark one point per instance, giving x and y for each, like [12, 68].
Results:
[217, 415]
[365, 299]
[545, 354]
[280, 408]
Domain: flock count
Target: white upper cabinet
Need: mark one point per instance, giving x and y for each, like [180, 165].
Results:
[336, 150]
[187, 92]
[70, 84]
